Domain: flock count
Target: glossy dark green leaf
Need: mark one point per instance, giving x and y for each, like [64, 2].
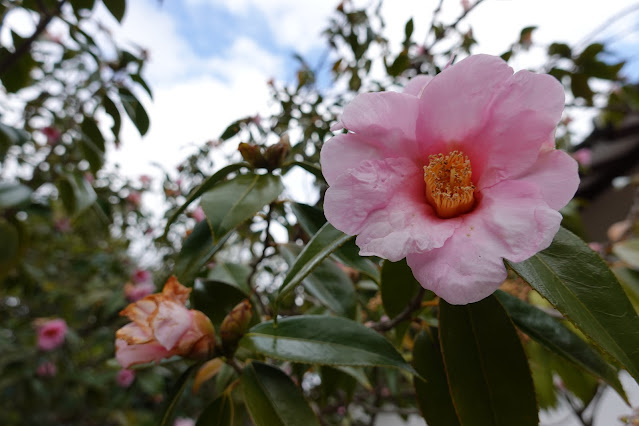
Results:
[18, 75]
[208, 184]
[135, 110]
[311, 220]
[233, 128]
[232, 202]
[324, 340]
[174, 396]
[328, 283]
[398, 288]
[559, 339]
[197, 251]
[92, 154]
[577, 282]
[323, 243]
[91, 131]
[580, 87]
[433, 394]
[117, 8]
[486, 365]
[216, 299]
[220, 412]
[13, 194]
[235, 274]
[629, 280]
[82, 4]
[526, 34]
[273, 399]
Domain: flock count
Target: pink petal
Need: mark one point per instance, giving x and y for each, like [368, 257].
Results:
[170, 323]
[128, 355]
[346, 151]
[453, 107]
[512, 221]
[133, 333]
[556, 175]
[417, 84]
[384, 202]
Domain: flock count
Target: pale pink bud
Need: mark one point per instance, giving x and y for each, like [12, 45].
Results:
[198, 214]
[141, 276]
[125, 377]
[466, 5]
[583, 156]
[162, 326]
[134, 198]
[135, 292]
[51, 334]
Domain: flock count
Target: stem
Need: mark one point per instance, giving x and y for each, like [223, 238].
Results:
[45, 19]
[255, 264]
[413, 305]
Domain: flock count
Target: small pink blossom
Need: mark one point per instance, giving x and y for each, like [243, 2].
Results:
[145, 180]
[142, 276]
[51, 334]
[52, 134]
[465, 5]
[125, 377]
[47, 369]
[455, 174]
[135, 292]
[162, 326]
[184, 421]
[583, 156]
[198, 214]
[134, 198]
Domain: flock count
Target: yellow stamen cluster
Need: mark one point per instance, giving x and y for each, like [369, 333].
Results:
[449, 189]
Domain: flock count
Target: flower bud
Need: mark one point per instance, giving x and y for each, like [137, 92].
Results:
[234, 325]
[252, 154]
[276, 154]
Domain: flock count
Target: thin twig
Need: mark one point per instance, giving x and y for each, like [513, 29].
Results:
[414, 304]
[267, 243]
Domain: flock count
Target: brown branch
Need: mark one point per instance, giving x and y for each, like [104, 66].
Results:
[412, 306]
[45, 19]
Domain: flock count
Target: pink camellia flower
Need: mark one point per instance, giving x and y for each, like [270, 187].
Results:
[47, 369]
[583, 156]
[198, 214]
[51, 334]
[455, 174]
[125, 377]
[162, 327]
[135, 292]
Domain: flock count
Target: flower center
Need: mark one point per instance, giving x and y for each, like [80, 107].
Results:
[449, 189]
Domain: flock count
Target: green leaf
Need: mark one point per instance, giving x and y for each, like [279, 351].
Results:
[324, 340]
[13, 194]
[18, 75]
[487, 369]
[111, 109]
[10, 247]
[77, 194]
[216, 299]
[116, 7]
[627, 250]
[560, 49]
[134, 109]
[235, 274]
[91, 130]
[629, 280]
[196, 252]
[525, 34]
[328, 283]
[433, 394]
[323, 243]
[309, 167]
[273, 399]
[208, 184]
[580, 87]
[577, 282]
[234, 128]
[398, 288]
[559, 339]
[589, 53]
[231, 203]
[539, 360]
[175, 394]
[138, 79]
[220, 412]
[311, 220]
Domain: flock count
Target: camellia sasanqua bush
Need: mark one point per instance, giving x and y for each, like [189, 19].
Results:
[432, 277]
